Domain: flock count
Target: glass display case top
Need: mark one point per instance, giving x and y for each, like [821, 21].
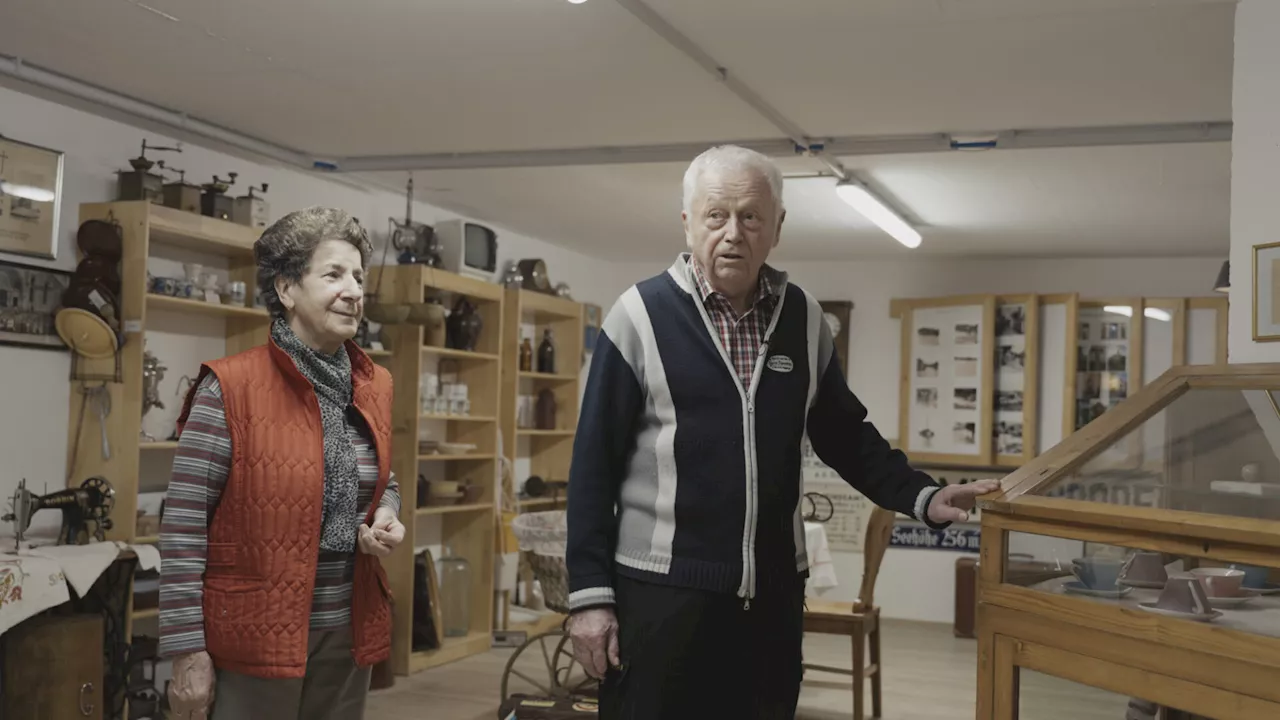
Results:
[1208, 449]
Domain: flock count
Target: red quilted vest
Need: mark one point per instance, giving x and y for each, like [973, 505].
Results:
[264, 537]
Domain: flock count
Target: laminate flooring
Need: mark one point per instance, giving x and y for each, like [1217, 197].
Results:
[929, 675]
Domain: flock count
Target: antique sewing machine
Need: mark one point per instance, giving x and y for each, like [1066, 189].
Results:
[91, 502]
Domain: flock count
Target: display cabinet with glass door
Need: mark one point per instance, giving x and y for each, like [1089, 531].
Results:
[1137, 558]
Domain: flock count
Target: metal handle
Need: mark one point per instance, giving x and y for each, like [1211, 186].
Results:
[85, 689]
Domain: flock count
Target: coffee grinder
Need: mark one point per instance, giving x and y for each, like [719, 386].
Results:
[139, 183]
[182, 195]
[251, 209]
[214, 202]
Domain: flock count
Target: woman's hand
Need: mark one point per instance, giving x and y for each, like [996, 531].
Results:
[387, 532]
[191, 691]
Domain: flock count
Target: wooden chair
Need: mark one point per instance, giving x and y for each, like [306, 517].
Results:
[859, 620]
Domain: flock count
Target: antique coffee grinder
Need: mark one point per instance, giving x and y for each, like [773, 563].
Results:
[415, 240]
[251, 210]
[140, 183]
[152, 373]
[182, 195]
[215, 202]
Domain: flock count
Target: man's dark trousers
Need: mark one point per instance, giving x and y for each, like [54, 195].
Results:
[690, 654]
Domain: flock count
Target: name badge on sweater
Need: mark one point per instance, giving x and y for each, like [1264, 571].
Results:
[780, 363]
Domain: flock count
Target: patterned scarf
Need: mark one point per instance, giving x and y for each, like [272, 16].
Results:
[330, 375]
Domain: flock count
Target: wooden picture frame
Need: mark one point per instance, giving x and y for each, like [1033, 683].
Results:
[960, 333]
[1266, 301]
[30, 198]
[838, 314]
[30, 297]
[1057, 377]
[1016, 379]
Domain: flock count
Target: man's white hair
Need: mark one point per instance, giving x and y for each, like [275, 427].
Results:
[731, 157]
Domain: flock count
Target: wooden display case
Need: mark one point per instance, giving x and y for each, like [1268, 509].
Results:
[467, 529]
[549, 450]
[1206, 495]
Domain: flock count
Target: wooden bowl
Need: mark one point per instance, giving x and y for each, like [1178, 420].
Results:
[387, 314]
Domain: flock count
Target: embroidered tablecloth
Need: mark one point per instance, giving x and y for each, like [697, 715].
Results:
[33, 580]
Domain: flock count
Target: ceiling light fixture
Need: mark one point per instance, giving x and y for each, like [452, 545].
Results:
[875, 210]
[576, 2]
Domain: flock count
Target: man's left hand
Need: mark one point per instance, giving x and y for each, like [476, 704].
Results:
[387, 532]
[953, 502]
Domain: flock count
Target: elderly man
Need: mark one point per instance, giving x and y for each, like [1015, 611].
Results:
[686, 549]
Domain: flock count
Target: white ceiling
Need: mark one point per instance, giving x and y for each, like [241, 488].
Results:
[334, 77]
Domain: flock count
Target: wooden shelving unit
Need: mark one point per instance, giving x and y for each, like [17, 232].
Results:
[466, 529]
[146, 228]
[549, 450]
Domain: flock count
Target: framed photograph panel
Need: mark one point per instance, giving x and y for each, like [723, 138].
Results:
[30, 199]
[947, 391]
[1016, 379]
[1266, 298]
[30, 298]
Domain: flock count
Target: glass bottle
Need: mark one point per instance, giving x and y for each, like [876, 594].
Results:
[526, 355]
[455, 594]
[547, 354]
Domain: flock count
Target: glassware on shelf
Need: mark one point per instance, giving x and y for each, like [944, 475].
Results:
[455, 594]
[547, 353]
[526, 355]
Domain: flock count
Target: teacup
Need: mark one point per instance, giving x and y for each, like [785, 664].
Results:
[1219, 582]
[1184, 594]
[1145, 567]
[1097, 573]
[1255, 576]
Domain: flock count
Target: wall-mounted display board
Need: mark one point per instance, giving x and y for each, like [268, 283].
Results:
[837, 314]
[1017, 367]
[1071, 360]
[947, 383]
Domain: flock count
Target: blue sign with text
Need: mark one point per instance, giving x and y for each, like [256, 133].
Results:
[923, 537]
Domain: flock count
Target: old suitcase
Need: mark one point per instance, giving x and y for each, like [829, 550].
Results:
[1021, 570]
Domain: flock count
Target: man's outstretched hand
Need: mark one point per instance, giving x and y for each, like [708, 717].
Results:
[595, 640]
[953, 502]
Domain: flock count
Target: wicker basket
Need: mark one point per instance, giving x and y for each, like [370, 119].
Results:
[543, 536]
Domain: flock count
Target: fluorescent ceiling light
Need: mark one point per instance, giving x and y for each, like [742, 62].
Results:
[29, 192]
[877, 212]
[1153, 313]
[577, 2]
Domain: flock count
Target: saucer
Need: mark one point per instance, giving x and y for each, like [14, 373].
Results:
[1268, 589]
[1151, 607]
[1235, 600]
[1148, 584]
[1078, 588]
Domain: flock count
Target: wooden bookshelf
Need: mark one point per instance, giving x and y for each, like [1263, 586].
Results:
[145, 229]
[466, 529]
[549, 450]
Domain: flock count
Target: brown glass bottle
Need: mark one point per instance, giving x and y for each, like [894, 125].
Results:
[547, 354]
[526, 355]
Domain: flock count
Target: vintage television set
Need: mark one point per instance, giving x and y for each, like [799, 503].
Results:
[467, 248]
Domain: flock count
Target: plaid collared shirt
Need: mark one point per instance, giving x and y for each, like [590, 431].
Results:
[740, 335]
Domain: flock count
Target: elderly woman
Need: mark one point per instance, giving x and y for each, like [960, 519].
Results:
[273, 602]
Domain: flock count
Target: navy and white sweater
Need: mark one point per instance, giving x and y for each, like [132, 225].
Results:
[681, 476]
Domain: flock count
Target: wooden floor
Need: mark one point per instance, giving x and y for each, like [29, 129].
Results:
[929, 675]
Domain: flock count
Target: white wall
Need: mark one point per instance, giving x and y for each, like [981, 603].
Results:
[1255, 154]
[33, 384]
[920, 584]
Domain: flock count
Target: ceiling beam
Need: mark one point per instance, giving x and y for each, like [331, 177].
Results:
[851, 146]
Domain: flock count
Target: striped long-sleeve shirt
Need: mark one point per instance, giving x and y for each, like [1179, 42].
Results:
[200, 470]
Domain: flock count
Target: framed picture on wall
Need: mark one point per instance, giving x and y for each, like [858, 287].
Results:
[837, 313]
[1016, 379]
[947, 390]
[1266, 299]
[30, 198]
[30, 297]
